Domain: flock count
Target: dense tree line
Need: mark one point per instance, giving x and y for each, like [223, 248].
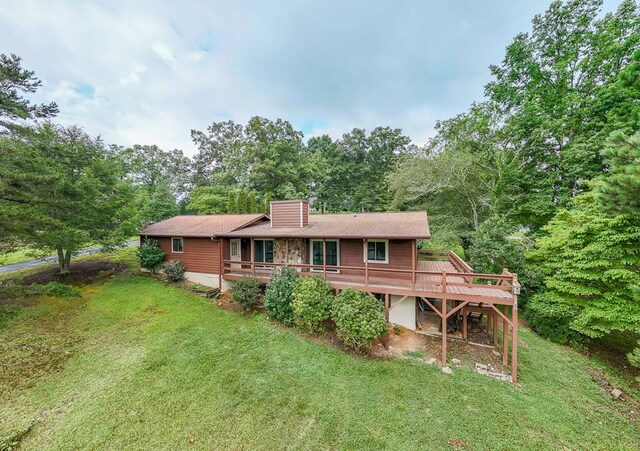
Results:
[541, 176]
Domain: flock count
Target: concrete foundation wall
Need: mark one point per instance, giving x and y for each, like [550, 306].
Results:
[403, 314]
[209, 280]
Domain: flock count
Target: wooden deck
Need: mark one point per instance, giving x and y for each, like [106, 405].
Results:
[434, 275]
[429, 277]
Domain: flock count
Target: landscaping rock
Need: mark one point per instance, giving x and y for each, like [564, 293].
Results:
[480, 366]
[616, 393]
[496, 353]
[456, 361]
[431, 361]
[447, 370]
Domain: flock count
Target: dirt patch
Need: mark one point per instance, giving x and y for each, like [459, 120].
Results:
[224, 302]
[81, 273]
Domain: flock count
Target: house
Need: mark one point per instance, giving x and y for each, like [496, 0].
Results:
[373, 252]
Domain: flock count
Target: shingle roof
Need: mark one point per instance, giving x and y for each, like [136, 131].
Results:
[199, 225]
[413, 224]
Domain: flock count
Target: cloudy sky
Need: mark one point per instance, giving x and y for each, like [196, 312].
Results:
[147, 72]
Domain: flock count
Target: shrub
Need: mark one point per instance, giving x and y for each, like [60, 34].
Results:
[551, 319]
[359, 318]
[245, 292]
[174, 270]
[150, 255]
[311, 304]
[279, 294]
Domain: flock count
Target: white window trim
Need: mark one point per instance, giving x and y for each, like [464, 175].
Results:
[332, 271]
[253, 256]
[365, 255]
[177, 238]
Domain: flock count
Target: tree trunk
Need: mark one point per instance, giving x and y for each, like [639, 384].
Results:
[64, 260]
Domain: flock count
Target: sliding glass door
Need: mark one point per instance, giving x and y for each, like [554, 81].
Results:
[318, 257]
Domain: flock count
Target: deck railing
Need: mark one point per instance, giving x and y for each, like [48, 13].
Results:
[375, 277]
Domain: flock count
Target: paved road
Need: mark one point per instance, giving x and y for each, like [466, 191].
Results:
[44, 261]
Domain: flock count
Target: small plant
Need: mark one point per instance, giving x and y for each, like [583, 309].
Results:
[311, 304]
[150, 255]
[245, 292]
[397, 329]
[174, 271]
[359, 318]
[279, 294]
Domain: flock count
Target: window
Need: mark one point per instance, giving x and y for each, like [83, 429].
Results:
[263, 250]
[176, 245]
[377, 251]
[317, 257]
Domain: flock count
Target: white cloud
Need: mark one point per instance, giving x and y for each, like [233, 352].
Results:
[148, 72]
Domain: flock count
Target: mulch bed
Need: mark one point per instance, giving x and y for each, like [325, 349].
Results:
[81, 272]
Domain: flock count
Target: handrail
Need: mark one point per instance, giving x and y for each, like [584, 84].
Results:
[439, 279]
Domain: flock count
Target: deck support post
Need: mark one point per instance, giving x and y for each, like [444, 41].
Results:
[444, 317]
[495, 329]
[253, 257]
[386, 307]
[514, 331]
[465, 326]
[505, 336]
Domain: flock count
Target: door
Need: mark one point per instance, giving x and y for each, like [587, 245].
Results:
[235, 251]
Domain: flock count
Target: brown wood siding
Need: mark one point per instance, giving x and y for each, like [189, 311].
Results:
[287, 214]
[352, 254]
[199, 254]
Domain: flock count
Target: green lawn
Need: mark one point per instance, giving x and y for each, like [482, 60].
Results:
[139, 364]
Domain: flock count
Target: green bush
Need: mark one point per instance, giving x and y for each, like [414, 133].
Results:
[279, 294]
[551, 319]
[150, 255]
[174, 271]
[359, 318]
[245, 292]
[311, 305]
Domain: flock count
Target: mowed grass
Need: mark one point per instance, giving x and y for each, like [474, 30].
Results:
[138, 364]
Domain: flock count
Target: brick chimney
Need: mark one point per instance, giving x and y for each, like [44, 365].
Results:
[289, 213]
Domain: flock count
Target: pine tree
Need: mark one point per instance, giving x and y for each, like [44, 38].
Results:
[232, 205]
[242, 202]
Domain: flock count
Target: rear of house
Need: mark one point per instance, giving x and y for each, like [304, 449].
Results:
[373, 252]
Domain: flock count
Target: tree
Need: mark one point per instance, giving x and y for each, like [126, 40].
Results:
[618, 192]
[241, 202]
[550, 87]
[15, 80]
[60, 190]
[210, 200]
[252, 205]
[151, 167]
[159, 204]
[232, 205]
[267, 157]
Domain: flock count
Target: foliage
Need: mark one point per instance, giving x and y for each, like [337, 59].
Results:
[174, 271]
[14, 80]
[591, 265]
[351, 173]
[156, 205]
[311, 305]
[60, 190]
[150, 255]
[263, 156]
[151, 167]
[634, 356]
[279, 294]
[618, 192]
[210, 200]
[245, 292]
[359, 318]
